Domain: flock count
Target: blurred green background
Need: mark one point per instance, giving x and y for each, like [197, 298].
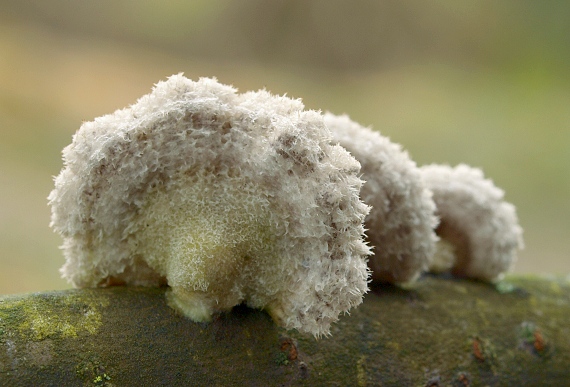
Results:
[485, 83]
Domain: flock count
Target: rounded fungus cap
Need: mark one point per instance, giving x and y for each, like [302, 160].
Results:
[400, 226]
[475, 222]
[227, 198]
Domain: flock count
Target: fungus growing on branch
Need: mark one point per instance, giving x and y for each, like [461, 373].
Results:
[227, 198]
[401, 222]
[479, 231]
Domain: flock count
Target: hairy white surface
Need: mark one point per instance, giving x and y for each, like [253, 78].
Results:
[227, 198]
[479, 225]
[400, 226]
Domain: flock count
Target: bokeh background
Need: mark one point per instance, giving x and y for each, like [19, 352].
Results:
[485, 83]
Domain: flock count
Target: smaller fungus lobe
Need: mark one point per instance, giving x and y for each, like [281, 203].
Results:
[480, 233]
[400, 225]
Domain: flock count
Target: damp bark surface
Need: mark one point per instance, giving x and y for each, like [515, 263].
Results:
[436, 332]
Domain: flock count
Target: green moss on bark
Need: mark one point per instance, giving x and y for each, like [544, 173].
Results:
[47, 315]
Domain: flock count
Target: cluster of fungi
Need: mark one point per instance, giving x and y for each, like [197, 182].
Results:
[232, 198]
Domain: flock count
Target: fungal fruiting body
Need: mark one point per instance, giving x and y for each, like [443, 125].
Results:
[479, 231]
[400, 226]
[228, 198]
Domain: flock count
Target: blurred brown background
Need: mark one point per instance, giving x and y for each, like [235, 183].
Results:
[485, 83]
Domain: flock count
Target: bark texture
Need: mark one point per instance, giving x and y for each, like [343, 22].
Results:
[438, 332]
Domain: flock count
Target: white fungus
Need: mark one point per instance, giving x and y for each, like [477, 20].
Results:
[400, 226]
[479, 231]
[227, 198]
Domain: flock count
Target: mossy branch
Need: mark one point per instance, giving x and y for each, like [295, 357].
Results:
[438, 332]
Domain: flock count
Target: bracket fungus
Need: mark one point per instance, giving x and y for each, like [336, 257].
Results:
[228, 198]
[400, 226]
[479, 231]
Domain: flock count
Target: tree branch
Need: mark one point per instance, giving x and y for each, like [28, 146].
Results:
[436, 332]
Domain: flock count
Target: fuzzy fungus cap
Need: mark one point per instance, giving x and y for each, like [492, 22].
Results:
[479, 231]
[400, 226]
[228, 198]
